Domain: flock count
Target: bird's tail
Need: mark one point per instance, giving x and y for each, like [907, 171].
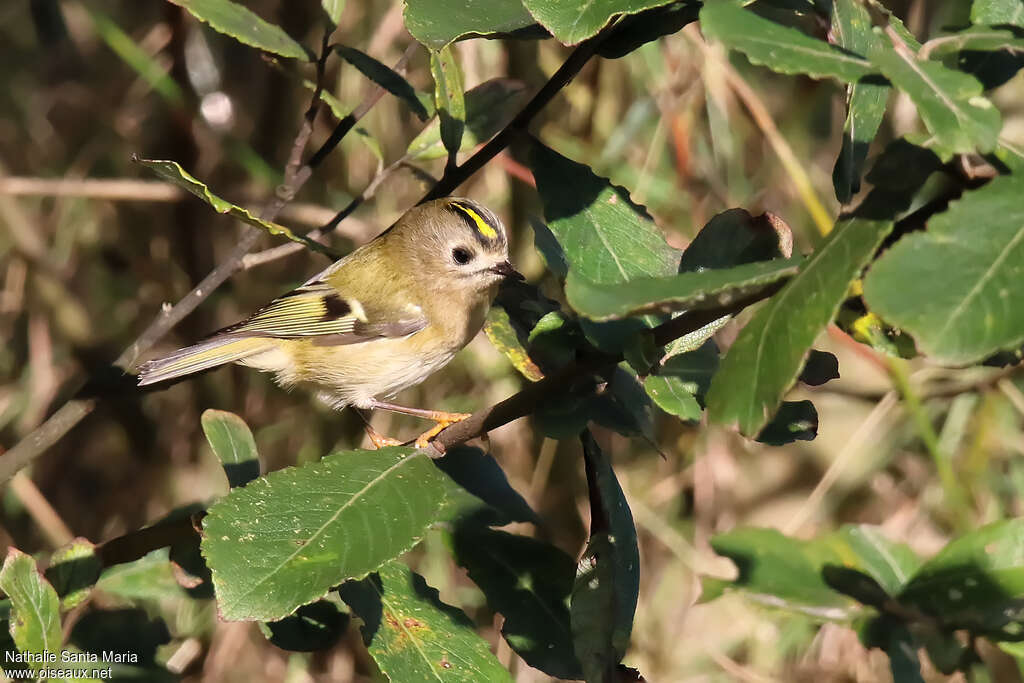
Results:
[202, 356]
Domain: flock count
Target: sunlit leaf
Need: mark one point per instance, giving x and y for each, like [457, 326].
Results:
[35, 608]
[233, 19]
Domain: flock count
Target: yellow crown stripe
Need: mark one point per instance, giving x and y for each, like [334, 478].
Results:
[481, 225]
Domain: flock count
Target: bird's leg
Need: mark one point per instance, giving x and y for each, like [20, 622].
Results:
[376, 438]
[442, 418]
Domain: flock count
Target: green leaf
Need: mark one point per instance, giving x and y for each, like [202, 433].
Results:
[286, 538]
[35, 607]
[504, 337]
[413, 636]
[73, 571]
[995, 12]
[435, 24]
[949, 102]
[171, 171]
[573, 22]
[687, 291]
[489, 107]
[529, 583]
[891, 564]
[639, 29]
[820, 368]
[449, 99]
[333, 8]
[794, 421]
[976, 250]
[976, 582]
[149, 579]
[385, 77]
[865, 100]
[784, 572]
[608, 575]
[233, 444]
[767, 356]
[975, 38]
[733, 238]
[313, 627]
[604, 237]
[479, 492]
[246, 27]
[679, 384]
[778, 47]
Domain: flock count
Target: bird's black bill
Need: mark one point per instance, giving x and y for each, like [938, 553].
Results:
[505, 269]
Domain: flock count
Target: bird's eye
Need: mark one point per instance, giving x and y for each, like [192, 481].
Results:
[461, 255]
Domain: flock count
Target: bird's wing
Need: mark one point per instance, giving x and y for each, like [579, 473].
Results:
[318, 311]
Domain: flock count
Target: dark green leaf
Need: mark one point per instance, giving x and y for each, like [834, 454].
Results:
[573, 22]
[171, 171]
[233, 444]
[995, 12]
[608, 575]
[890, 564]
[286, 538]
[976, 250]
[316, 626]
[819, 368]
[794, 421]
[686, 291]
[639, 29]
[734, 238]
[949, 102]
[489, 107]
[778, 47]
[865, 99]
[385, 77]
[679, 384]
[413, 636]
[73, 571]
[148, 580]
[529, 582]
[478, 490]
[976, 582]
[124, 630]
[449, 99]
[852, 582]
[975, 38]
[244, 26]
[767, 356]
[550, 250]
[435, 24]
[35, 607]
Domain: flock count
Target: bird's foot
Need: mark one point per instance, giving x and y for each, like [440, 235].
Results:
[379, 440]
[444, 420]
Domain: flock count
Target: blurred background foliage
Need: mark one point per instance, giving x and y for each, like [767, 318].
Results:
[91, 248]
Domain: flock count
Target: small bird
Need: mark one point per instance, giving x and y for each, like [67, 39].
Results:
[382, 319]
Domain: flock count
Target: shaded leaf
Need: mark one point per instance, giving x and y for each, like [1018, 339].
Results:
[286, 538]
[35, 607]
[489, 107]
[679, 384]
[149, 579]
[779, 47]
[449, 98]
[73, 571]
[889, 563]
[607, 578]
[316, 626]
[794, 421]
[171, 171]
[974, 38]
[949, 102]
[997, 12]
[976, 582]
[233, 444]
[412, 635]
[733, 238]
[529, 582]
[686, 291]
[767, 356]
[573, 22]
[504, 337]
[478, 490]
[385, 77]
[866, 99]
[639, 29]
[233, 19]
[976, 250]
[819, 368]
[436, 25]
